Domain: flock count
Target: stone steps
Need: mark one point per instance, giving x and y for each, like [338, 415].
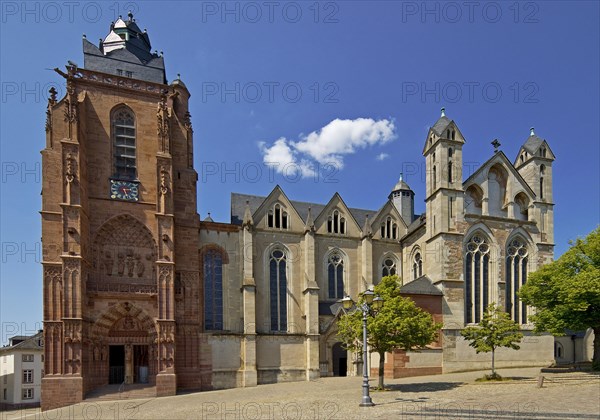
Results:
[118, 392]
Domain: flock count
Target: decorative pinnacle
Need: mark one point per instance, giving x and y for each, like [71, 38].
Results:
[531, 132]
[401, 176]
[443, 112]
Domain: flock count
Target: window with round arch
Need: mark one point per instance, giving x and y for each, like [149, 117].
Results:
[389, 229]
[124, 144]
[336, 223]
[278, 217]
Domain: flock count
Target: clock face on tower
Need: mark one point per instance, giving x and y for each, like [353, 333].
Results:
[124, 190]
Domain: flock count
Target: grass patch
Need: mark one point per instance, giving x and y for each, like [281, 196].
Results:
[494, 377]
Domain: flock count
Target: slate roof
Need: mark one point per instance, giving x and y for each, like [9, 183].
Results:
[28, 343]
[421, 286]
[238, 206]
[401, 185]
[532, 144]
[440, 125]
[117, 56]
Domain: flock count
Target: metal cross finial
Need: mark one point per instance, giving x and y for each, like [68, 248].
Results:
[496, 144]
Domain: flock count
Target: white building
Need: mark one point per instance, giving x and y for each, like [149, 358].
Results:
[21, 371]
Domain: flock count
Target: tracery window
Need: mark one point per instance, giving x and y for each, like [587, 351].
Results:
[213, 290]
[335, 275]
[336, 223]
[389, 229]
[477, 267]
[278, 217]
[417, 265]
[278, 290]
[516, 276]
[124, 146]
[388, 267]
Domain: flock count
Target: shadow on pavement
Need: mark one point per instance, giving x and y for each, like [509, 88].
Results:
[424, 387]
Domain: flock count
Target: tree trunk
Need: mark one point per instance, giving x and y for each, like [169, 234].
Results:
[493, 364]
[381, 369]
[596, 356]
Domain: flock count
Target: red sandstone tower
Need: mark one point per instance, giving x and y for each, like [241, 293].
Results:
[122, 294]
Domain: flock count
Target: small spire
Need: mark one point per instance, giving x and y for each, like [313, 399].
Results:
[309, 226]
[366, 230]
[130, 16]
[443, 112]
[401, 176]
[531, 132]
[247, 215]
[178, 74]
[84, 37]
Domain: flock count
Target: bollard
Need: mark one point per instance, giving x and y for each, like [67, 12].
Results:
[540, 383]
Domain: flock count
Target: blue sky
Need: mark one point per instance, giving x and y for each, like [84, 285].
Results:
[260, 72]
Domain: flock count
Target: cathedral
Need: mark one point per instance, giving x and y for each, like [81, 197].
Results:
[142, 291]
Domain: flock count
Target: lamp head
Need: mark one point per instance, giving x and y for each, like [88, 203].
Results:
[347, 302]
[369, 295]
[377, 303]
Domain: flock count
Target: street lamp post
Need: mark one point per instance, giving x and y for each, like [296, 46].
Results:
[370, 301]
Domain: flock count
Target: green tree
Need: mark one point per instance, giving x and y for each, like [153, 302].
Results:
[495, 330]
[566, 292]
[399, 324]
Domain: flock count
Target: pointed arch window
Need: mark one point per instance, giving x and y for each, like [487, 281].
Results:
[278, 290]
[278, 217]
[124, 144]
[477, 267]
[389, 229]
[213, 290]
[336, 223]
[389, 267]
[335, 275]
[516, 276]
[417, 265]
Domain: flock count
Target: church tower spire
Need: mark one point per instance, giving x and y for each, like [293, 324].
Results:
[125, 51]
[403, 198]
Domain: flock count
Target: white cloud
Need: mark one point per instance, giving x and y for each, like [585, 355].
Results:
[327, 146]
[382, 156]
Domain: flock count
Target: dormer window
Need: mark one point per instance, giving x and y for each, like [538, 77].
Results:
[277, 217]
[389, 229]
[453, 135]
[336, 223]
